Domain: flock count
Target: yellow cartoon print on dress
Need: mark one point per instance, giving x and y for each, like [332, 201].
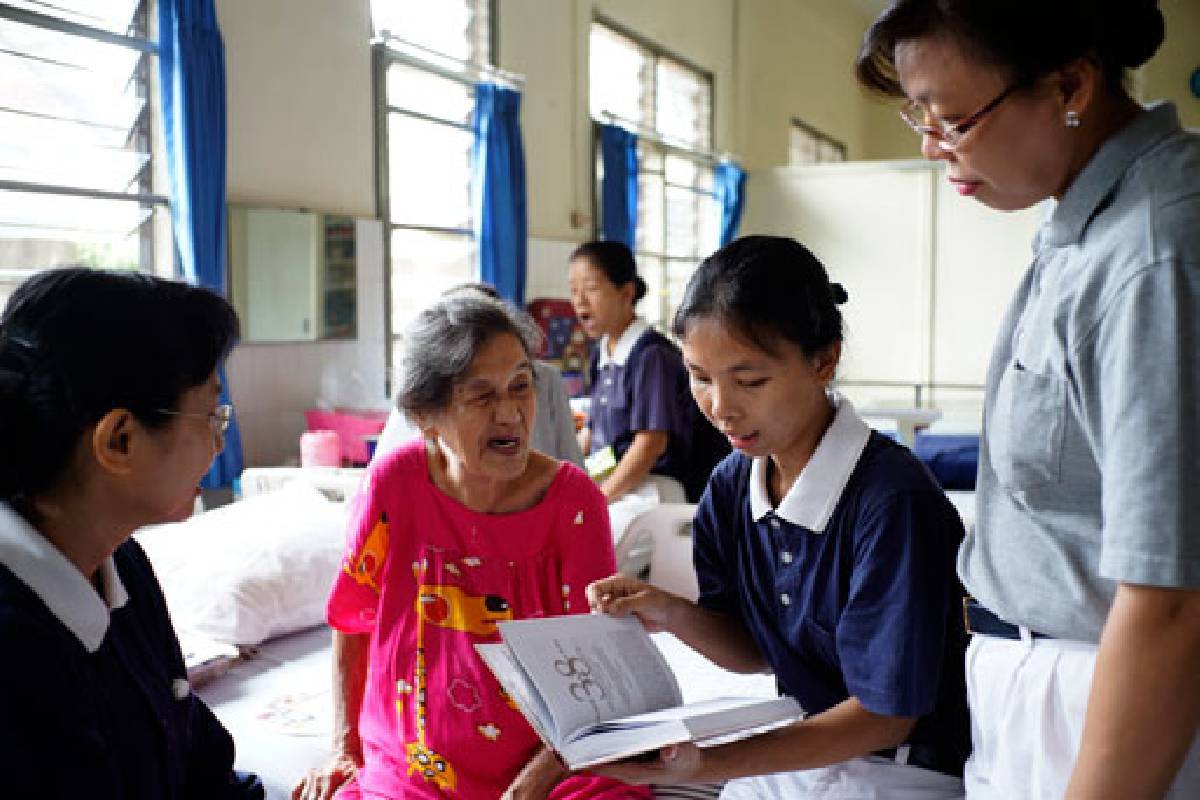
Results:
[431, 766]
[365, 566]
[450, 607]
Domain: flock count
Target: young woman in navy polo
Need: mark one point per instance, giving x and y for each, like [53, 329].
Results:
[641, 416]
[824, 552]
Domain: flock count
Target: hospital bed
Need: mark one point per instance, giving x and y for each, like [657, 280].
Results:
[255, 574]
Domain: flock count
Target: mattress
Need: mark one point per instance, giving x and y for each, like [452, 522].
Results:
[278, 703]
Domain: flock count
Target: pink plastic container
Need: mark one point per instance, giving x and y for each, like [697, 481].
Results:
[352, 426]
[320, 449]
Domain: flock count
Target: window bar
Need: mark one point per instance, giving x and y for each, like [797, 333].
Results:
[76, 191]
[467, 73]
[75, 29]
[428, 118]
[706, 156]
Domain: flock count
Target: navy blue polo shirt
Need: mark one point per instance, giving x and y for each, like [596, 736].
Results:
[642, 386]
[848, 586]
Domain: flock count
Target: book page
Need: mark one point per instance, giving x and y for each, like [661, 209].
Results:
[591, 668]
[512, 677]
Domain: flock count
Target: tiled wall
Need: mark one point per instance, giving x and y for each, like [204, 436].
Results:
[273, 384]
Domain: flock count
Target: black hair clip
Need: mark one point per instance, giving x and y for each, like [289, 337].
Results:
[838, 294]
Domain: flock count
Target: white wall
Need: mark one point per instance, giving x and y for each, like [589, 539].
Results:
[301, 130]
[1166, 76]
[928, 273]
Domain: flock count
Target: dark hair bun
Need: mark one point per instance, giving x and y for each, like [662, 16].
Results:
[615, 260]
[1129, 32]
[768, 289]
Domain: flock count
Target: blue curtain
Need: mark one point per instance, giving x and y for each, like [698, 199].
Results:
[498, 181]
[192, 74]
[619, 187]
[729, 183]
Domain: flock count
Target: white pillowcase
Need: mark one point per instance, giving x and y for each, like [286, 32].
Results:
[251, 570]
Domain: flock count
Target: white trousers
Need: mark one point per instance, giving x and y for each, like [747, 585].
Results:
[856, 779]
[1028, 700]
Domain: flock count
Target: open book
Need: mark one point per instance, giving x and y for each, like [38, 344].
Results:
[596, 689]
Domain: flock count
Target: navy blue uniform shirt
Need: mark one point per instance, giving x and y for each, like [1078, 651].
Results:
[848, 587]
[643, 386]
[108, 717]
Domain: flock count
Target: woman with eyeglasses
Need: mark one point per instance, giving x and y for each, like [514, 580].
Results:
[108, 421]
[1084, 671]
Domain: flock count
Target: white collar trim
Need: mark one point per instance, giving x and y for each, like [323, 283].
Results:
[811, 500]
[624, 344]
[57, 582]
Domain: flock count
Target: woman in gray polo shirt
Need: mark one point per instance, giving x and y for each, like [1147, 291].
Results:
[1084, 678]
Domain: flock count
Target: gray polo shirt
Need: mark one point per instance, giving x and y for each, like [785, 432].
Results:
[1089, 470]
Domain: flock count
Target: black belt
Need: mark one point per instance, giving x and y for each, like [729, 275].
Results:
[978, 619]
[925, 757]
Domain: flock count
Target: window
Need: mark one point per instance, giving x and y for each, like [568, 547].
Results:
[668, 103]
[807, 145]
[428, 57]
[78, 135]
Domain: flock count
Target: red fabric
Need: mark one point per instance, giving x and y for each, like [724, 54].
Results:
[429, 578]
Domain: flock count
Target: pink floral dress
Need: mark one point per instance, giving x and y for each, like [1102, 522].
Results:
[428, 578]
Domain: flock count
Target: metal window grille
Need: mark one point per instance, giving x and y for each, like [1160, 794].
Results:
[668, 102]
[427, 59]
[80, 180]
[807, 145]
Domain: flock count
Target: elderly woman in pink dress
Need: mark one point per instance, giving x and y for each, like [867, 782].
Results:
[452, 534]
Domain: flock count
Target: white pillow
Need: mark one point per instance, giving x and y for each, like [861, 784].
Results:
[254, 569]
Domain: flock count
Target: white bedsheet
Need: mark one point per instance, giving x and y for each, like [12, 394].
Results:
[278, 706]
[275, 739]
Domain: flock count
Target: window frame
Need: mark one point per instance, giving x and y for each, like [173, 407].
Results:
[387, 50]
[652, 138]
[659, 52]
[821, 137]
[145, 129]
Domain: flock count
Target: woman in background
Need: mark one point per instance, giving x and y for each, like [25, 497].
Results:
[108, 421]
[641, 420]
[450, 535]
[1085, 557]
[824, 553]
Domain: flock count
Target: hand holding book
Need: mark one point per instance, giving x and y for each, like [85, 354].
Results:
[597, 690]
[621, 596]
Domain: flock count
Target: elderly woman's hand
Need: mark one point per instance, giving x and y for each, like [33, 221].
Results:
[537, 779]
[678, 763]
[621, 595]
[323, 783]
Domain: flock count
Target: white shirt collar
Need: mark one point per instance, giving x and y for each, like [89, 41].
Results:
[57, 582]
[624, 345]
[814, 495]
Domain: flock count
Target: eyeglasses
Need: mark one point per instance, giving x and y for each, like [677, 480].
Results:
[949, 135]
[219, 417]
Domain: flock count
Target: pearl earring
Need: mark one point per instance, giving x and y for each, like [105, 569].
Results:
[1072, 119]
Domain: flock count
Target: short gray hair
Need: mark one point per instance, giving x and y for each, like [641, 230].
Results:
[442, 342]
